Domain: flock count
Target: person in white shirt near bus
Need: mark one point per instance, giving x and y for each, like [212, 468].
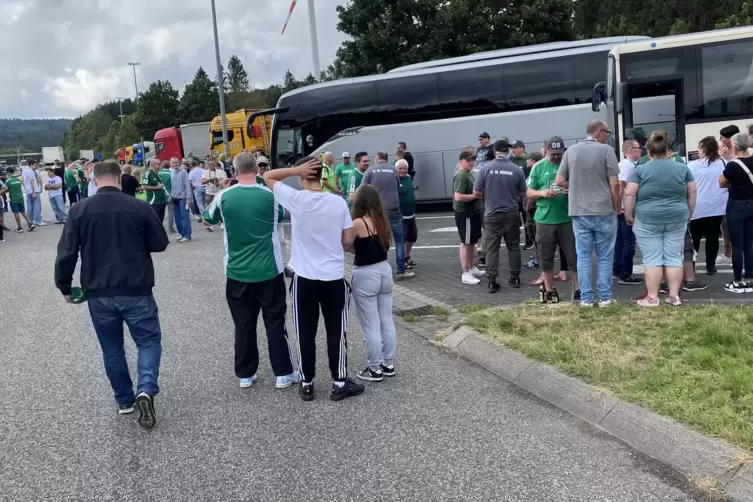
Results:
[624, 247]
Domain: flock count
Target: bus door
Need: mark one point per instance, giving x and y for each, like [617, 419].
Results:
[654, 105]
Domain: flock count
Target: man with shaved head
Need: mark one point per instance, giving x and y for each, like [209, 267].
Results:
[588, 172]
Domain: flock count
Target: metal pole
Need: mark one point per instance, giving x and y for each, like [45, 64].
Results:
[220, 82]
[120, 101]
[136, 85]
[314, 40]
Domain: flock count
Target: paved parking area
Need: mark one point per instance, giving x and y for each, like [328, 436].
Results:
[443, 429]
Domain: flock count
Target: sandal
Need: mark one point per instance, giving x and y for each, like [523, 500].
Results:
[649, 302]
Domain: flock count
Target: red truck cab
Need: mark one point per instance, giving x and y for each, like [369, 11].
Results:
[168, 143]
[120, 154]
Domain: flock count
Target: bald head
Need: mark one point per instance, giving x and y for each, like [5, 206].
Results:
[594, 126]
[127, 169]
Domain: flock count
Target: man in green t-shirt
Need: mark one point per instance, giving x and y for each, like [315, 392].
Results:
[554, 227]
[154, 187]
[71, 184]
[467, 217]
[342, 173]
[355, 177]
[407, 196]
[83, 184]
[166, 173]
[16, 199]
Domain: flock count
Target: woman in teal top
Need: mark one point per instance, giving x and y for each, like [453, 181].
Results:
[659, 198]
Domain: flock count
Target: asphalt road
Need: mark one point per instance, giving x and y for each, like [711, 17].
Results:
[443, 429]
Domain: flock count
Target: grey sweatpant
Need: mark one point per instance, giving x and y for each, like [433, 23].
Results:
[372, 294]
[170, 217]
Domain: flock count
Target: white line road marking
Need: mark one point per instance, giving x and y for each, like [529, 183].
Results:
[445, 229]
[435, 217]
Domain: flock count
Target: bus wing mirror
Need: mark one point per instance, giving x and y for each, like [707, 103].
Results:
[598, 96]
[261, 113]
[620, 97]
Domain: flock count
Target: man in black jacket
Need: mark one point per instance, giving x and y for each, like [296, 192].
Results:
[115, 234]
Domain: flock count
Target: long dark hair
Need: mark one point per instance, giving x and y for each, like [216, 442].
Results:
[710, 149]
[368, 203]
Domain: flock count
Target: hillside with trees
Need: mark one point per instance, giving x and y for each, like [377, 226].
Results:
[385, 34]
[30, 135]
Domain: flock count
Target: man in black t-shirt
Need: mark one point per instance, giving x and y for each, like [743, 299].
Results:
[128, 183]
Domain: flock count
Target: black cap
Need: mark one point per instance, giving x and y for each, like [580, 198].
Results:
[535, 156]
[518, 144]
[466, 155]
[501, 146]
[484, 135]
[555, 145]
[729, 131]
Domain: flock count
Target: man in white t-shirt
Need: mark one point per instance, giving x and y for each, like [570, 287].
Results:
[321, 227]
[199, 190]
[54, 187]
[33, 188]
[624, 248]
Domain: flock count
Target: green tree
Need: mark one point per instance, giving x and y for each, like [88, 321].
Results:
[237, 77]
[200, 100]
[157, 108]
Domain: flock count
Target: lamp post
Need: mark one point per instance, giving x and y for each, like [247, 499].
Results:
[136, 85]
[220, 82]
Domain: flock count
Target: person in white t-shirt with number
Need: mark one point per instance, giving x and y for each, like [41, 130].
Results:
[321, 227]
[54, 188]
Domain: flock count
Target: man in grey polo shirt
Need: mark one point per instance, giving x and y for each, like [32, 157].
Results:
[385, 179]
[501, 184]
[589, 171]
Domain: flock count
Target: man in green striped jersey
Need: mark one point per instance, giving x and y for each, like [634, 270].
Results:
[154, 187]
[253, 267]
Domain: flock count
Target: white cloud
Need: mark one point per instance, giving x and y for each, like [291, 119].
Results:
[76, 57]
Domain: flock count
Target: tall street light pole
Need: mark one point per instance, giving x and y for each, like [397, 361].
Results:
[136, 85]
[220, 82]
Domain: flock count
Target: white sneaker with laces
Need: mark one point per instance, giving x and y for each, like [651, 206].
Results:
[468, 278]
[475, 272]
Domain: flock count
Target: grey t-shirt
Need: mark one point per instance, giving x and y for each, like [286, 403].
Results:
[502, 182]
[662, 191]
[384, 178]
[587, 167]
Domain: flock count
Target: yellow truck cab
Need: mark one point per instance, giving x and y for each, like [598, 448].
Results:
[237, 137]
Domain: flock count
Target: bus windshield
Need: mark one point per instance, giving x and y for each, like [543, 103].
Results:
[289, 146]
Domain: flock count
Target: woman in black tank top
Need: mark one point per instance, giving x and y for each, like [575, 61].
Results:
[372, 284]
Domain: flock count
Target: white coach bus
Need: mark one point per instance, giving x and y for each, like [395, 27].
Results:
[527, 93]
[702, 82]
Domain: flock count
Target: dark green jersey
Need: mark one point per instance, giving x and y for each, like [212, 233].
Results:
[167, 180]
[70, 180]
[462, 182]
[15, 189]
[158, 197]
[407, 196]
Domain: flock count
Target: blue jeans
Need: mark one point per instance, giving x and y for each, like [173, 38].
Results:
[200, 194]
[740, 227]
[624, 249]
[595, 233]
[58, 207]
[34, 208]
[141, 315]
[182, 218]
[396, 224]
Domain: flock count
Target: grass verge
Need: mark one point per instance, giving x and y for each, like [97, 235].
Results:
[694, 364]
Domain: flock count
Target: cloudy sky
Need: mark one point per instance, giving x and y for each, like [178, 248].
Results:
[68, 55]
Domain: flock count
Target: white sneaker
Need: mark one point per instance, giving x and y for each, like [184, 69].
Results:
[476, 272]
[467, 278]
[222, 226]
[607, 303]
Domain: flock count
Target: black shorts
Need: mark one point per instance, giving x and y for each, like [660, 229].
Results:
[549, 238]
[469, 227]
[410, 230]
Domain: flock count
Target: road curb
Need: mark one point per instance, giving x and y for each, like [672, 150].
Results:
[676, 445]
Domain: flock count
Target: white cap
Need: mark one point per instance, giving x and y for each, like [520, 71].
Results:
[262, 160]
[346, 155]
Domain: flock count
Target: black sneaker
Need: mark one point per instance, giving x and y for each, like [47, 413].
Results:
[6, 228]
[307, 391]
[32, 227]
[145, 404]
[514, 282]
[19, 230]
[631, 281]
[482, 261]
[350, 389]
[695, 286]
[711, 270]
[663, 288]
[576, 295]
[388, 371]
[736, 287]
[370, 375]
[494, 287]
[528, 246]
[125, 409]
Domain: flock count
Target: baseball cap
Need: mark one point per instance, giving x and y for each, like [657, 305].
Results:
[555, 145]
[346, 155]
[501, 146]
[729, 131]
[262, 160]
[484, 135]
[535, 156]
[518, 144]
